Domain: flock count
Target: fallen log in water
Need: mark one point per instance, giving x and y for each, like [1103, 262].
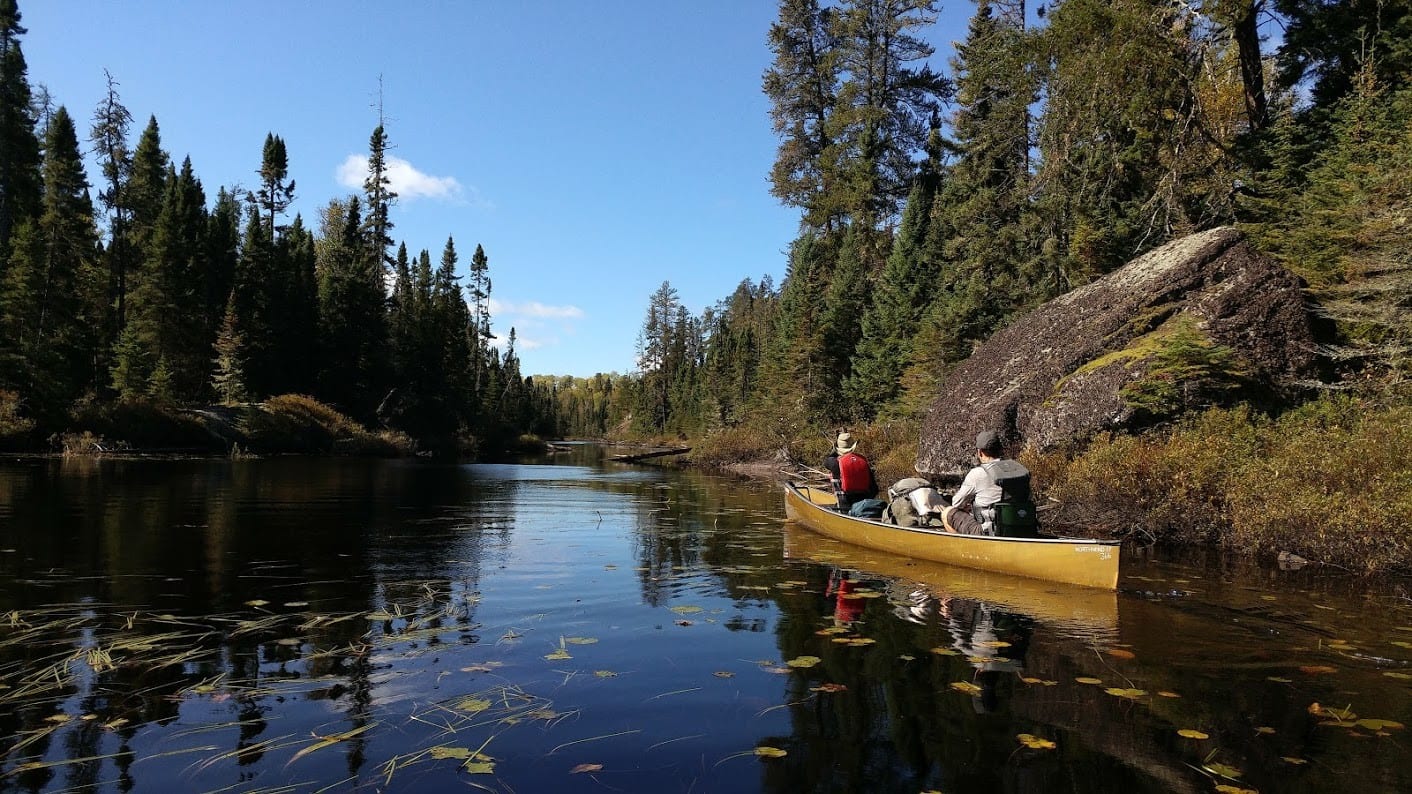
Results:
[654, 454]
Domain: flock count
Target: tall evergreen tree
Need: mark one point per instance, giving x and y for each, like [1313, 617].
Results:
[987, 266]
[146, 188]
[899, 299]
[378, 194]
[108, 135]
[51, 291]
[478, 292]
[222, 254]
[20, 159]
[351, 312]
[802, 85]
[452, 327]
[792, 379]
[884, 103]
[276, 190]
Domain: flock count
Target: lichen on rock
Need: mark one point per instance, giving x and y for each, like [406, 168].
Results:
[1203, 320]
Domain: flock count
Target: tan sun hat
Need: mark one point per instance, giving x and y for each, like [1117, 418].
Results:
[845, 443]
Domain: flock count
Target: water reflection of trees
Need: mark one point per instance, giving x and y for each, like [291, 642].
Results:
[232, 584]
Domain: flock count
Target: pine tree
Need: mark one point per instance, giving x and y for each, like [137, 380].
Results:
[884, 103]
[802, 85]
[275, 194]
[20, 159]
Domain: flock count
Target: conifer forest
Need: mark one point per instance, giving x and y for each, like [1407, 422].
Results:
[936, 202]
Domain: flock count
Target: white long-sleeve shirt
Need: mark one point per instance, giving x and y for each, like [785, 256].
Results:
[980, 485]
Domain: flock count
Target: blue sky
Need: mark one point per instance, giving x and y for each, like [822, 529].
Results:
[594, 147]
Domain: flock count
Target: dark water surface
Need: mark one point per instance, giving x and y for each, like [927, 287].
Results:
[573, 625]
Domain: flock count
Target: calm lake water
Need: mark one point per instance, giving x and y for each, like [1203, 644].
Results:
[569, 624]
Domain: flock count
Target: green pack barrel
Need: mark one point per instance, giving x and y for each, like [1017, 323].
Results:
[1015, 514]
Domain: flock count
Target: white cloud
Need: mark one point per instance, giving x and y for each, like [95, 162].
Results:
[403, 179]
[534, 309]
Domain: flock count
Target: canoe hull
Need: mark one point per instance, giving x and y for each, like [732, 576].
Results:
[1089, 563]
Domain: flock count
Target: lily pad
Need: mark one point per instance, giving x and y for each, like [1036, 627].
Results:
[473, 705]
[1034, 742]
[1192, 733]
[770, 752]
[803, 661]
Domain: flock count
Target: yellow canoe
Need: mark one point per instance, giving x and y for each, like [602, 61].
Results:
[1091, 563]
[1081, 611]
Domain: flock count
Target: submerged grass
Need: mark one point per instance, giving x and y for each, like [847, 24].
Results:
[66, 652]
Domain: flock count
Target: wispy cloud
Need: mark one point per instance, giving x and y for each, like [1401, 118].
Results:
[535, 310]
[537, 325]
[404, 179]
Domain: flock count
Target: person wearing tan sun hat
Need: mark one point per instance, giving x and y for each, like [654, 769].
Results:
[851, 473]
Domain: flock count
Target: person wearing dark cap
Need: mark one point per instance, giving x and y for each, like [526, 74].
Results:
[851, 473]
[972, 507]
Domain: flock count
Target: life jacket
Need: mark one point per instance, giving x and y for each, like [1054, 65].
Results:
[854, 475]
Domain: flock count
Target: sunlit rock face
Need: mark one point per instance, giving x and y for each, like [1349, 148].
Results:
[1085, 362]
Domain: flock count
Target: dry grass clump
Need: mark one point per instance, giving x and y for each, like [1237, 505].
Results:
[1170, 484]
[734, 445]
[1334, 483]
[299, 423]
[1331, 481]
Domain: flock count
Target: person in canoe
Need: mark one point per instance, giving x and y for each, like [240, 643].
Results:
[995, 484]
[851, 473]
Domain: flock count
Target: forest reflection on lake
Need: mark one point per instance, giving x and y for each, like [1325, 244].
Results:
[572, 624]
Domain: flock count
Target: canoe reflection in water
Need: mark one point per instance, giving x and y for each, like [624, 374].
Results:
[919, 589]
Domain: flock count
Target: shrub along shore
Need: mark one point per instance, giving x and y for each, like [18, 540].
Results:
[1330, 481]
[289, 423]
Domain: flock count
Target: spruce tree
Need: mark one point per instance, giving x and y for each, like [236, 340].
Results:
[228, 379]
[899, 299]
[985, 264]
[52, 292]
[20, 159]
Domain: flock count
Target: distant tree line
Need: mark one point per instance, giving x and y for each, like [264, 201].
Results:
[1064, 141]
[159, 292]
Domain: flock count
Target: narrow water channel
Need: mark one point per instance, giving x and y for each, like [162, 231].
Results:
[572, 624]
